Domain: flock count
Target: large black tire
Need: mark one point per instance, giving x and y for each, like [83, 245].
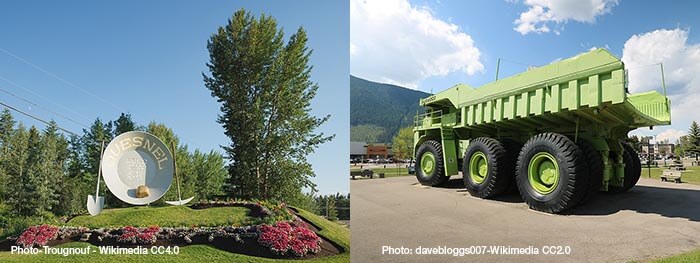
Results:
[595, 168]
[633, 169]
[571, 183]
[495, 178]
[437, 175]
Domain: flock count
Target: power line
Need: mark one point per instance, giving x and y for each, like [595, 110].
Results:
[37, 67]
[36, 118]
[44, 98]
[60, 79]
[44, 108]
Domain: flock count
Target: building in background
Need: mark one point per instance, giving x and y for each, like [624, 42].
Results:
[360, 151]
[659, 150]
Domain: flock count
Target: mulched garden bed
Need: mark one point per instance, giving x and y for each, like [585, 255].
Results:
[245, 243]
[327, 245]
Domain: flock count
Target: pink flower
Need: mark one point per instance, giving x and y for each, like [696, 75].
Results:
[37, 235]
[283, 238]
[139, 235]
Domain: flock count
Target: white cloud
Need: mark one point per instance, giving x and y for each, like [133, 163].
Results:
[671, 135]
[558, 12]
[353, 50]
[681, 60]
[394, 42]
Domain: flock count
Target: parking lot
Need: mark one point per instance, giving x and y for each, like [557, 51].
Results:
[652, 220]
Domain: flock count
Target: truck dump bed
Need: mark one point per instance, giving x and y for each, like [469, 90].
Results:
[590, 86]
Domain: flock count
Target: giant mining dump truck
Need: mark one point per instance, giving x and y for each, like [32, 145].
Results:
[555, 133]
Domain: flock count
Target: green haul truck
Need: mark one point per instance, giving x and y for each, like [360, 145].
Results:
[554, 133]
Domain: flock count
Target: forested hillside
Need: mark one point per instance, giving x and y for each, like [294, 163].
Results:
[378, 111]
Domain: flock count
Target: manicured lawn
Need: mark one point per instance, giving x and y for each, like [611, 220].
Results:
[690, 175]
[192, 253]
[333, 231]
[171, 216]
[687, 257]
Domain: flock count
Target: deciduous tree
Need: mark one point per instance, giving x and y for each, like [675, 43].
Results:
[265, 91]
[403, 143]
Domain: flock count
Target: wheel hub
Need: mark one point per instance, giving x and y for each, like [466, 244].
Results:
[543, 173]
[478, 167]
[427, 163]
[547, 172]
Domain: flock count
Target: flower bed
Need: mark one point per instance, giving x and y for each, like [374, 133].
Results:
[37, 235]
[276, 232]
[40, 235]
[145, 236]
[282, 238]
[141, 236]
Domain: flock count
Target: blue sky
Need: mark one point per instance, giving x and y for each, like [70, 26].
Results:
[433, 45]
[146, 58]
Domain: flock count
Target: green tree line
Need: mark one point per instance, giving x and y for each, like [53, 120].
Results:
[262, 80]
[333, 207]
[45, 174]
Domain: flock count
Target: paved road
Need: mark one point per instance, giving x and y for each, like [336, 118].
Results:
[653, 219]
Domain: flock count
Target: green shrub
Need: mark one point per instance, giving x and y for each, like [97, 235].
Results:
[14, 225]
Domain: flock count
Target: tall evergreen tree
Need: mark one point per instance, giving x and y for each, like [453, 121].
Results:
[265, 92]
[41, 176]
[7, 124]
[78, 183]
[54, 152]
[91, 143]
[693, 139]
[16, 166]
[92, 140]
[75, 162]
[123, 124]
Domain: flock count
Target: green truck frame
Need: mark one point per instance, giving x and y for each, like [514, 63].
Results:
[555, 133]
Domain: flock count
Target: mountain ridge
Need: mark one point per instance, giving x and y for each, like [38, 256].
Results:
[378, 110]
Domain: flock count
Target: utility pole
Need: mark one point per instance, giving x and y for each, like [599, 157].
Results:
[498, 67]
[649, 156]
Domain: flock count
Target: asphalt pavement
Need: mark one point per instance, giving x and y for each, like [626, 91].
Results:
[398, 220]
